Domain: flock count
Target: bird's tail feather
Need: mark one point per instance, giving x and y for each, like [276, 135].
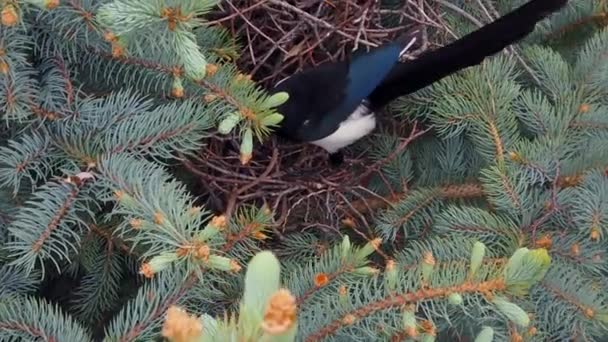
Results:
[470, 50]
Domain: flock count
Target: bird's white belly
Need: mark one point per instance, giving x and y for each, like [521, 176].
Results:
[359, 124]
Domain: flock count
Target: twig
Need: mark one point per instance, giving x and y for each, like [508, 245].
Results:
[319, 21]
[255, 27]
[273, 163]
[235, 14]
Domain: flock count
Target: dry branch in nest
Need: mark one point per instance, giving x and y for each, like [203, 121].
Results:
[300, 187]
[281, 37]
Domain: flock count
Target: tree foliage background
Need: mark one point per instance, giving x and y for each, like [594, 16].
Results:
[142, 187]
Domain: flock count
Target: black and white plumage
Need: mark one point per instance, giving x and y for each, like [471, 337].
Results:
[335, 104]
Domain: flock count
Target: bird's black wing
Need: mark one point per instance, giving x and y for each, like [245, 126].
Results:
[312, 93]
[321, 98]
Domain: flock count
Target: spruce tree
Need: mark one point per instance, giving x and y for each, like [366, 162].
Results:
[482, 217]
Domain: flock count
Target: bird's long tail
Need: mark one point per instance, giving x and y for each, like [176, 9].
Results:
[467, 51]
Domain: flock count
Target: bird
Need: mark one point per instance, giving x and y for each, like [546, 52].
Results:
[336, 103]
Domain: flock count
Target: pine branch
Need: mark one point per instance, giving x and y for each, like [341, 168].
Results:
[245, 232]
[597, 18]
[332, 271]
[50, 223]
[587, 201]
[15, 282]
[455, 191]
[410, 215]
[143, 317]
[30, 157]
[403, 299]
[571, 297]
[589, 60]
[112, 240]
[31, 318]
[98, 289]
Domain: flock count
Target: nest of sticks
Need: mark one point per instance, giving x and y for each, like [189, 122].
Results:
[284, 36]
[295, 180]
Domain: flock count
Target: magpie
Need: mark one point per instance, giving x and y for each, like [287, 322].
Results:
[334, 104]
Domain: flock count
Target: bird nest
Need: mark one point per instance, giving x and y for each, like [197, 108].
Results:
[295, 180]
[281, 37]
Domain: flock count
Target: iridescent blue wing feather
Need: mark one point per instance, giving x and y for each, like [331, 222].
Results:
[365, 72]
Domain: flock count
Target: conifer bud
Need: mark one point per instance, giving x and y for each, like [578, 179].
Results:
[485, 335]
[428, 338]
[177, 89]
[258, 235]
[179, 326]
[280, 313]
[321, 279]
[275, 100]
[3, 67]
[584, 108]
[525, 268]
[229, 122]
[595, 234]
[575, 249]
[477, 255]
[109, 36]
[242, 77]
[219, 222]
[272, 119]
[429, 329]
[209, 98]
[515, 337]
[202, 252]
[345, 247]
[194, 211]
[246, 146]
[51, 4]
[159, 218]
[514, 156]
[195, 65]
[544, 242]
[343, 294]
[428, 263]
[247, 113]
[136, 223]
[124, 199]
[391, 275]
[9, 14]
[211, 70]
[45, 4]
[349, 222]
[368, 249]
[146, 270]
[513, 312]
[349, 319]
[161, 261]
[222, 263]
[213, 227]
[117, 50]
[455, 298]
[366, 271]
[409, 323]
